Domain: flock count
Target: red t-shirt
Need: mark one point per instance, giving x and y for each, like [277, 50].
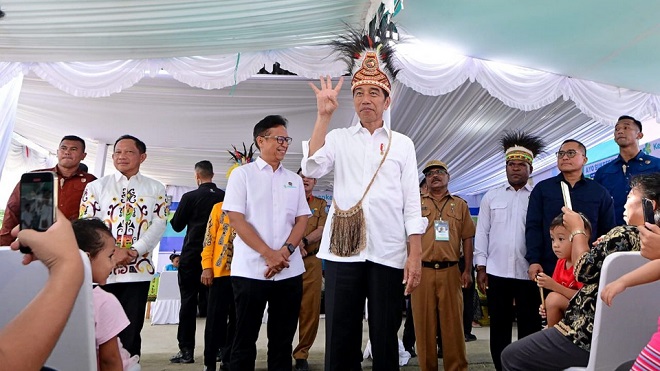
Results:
[565, 277]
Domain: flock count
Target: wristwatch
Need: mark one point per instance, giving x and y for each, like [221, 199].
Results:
[305, 241]
[479, 268]
[290, 247]
[575, 233]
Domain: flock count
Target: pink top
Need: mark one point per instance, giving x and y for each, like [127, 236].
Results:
[109, 321]
[565, 277]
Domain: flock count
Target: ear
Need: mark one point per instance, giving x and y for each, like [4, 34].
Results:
[585, 160]
[387, 102]
[531, 168]
[83, 156]
[640, 135]
[143, 156]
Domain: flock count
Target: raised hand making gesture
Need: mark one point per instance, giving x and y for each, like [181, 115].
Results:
[326, 97]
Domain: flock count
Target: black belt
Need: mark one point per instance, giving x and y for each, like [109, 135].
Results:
[438, 265]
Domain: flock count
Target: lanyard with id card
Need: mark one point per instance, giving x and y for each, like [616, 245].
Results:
[440, 226]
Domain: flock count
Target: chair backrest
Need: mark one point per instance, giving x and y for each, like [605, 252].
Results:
[76, 349]
[623, 330]
[168, 286]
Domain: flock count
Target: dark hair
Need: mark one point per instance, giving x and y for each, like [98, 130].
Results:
[558, 221]
[89, 234]
[142, 148]
[637, 122]
[174, 256]
[268, 122]
[204, 168]
[385, 93]
[582, 147]
[76, 138]
[82, 167]
[421, 184]
[648, 185]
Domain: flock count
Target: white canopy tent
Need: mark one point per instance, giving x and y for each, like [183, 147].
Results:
[453, 107]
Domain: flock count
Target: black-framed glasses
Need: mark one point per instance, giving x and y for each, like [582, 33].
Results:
[280, 139]
[431, 173]
[570, 153]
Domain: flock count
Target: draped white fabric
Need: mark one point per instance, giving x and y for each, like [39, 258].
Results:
[517, 87]
[8, 102]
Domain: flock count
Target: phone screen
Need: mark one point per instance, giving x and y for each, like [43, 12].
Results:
[38, 200]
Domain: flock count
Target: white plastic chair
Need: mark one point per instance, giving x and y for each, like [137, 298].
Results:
[622, 330]
[165, 310]
[75, 350]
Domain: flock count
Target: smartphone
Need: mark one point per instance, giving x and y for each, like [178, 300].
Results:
[38, 206]
[649, 214]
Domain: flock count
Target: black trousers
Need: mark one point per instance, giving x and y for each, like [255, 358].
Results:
[468, 301]
[283, 298]
[347, 285]
[501, 294]
[546, 350]
[220, 322]
[189, 287]
[133, 298]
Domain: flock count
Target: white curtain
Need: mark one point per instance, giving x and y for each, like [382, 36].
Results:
[8, 101]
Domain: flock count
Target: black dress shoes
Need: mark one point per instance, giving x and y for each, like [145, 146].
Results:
[184, 356]
[301, 365]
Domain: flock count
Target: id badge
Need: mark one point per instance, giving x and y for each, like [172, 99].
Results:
[441, 230]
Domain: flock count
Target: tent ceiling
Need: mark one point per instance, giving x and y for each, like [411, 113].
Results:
[612, 42]
[182, 125]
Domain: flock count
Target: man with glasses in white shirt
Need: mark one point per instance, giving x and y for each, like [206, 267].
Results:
[500, 262]
[267, 207]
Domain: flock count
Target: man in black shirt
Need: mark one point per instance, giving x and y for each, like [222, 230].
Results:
[193, 212]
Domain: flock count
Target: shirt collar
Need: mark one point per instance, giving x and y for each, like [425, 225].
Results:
[560, 177]
[261, 164]
[640, 156]
[356, 129]
[119, 176]
[510, 187]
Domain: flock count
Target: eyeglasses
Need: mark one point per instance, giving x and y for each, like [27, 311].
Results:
[570, 153]
[431, 173]
[280, 139]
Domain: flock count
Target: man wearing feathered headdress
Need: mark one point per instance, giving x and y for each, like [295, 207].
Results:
[499, 250]
[375, 209]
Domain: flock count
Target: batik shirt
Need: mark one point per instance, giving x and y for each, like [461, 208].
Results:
[578, 322]
[135, 210]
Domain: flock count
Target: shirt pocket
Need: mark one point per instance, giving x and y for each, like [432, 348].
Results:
[498, 209]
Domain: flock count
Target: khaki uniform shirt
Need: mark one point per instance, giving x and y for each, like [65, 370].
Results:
[319, 215]
[455, 212]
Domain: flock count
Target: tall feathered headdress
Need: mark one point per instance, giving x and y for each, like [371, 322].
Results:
[369, 53]
[521, 146]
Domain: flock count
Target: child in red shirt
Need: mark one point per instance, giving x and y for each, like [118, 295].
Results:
[562, 283]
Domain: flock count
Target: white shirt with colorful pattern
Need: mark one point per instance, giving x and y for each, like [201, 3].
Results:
[135, 210]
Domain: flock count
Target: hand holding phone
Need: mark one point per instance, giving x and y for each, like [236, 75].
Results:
[649, 213]
[38, 206]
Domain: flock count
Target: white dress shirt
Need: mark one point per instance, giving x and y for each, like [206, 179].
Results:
[271, 201]
[136, 211]
[392, 207]
[500, 240]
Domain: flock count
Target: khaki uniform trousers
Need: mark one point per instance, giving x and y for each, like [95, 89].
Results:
[310, 307]
[439, 297]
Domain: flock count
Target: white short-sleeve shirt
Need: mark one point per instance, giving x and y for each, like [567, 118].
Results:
[271, 201]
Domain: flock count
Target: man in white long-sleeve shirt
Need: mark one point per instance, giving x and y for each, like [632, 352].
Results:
[499, 250]
[392, 215]
[134, 207]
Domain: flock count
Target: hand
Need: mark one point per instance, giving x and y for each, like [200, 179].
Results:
[326, 97]
[572, 220]
[207, 277]
[598, 240]
[412, 273]
[302, 249]
[611, 290]
[545, 281]
[466, 277]
[54, 247]
[482, 280]
[650, 238]
[534, 270]
[542, 312]
[276, 260]
[124, 257]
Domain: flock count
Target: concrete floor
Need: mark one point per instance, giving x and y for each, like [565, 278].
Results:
[159, 344]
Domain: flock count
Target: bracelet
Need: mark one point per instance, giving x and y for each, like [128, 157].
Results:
[480, 268]
[575, 233]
